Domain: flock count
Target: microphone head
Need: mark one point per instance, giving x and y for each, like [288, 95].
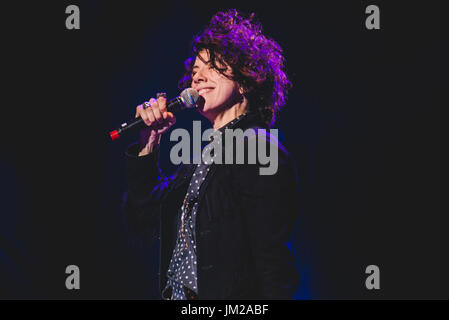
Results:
[190, 97]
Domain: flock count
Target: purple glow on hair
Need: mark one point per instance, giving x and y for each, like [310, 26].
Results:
[256, 61]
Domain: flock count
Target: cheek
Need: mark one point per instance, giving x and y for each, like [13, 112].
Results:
[224, 92]
[222, 95]
[228, 90]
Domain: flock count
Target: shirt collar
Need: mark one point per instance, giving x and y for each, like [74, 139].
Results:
[231, 124]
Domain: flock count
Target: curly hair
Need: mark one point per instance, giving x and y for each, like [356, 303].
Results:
[256, 61]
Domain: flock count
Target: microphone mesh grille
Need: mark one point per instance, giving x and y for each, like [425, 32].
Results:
[190, 97]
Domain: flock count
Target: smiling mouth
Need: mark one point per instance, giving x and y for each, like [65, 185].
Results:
[205, 90]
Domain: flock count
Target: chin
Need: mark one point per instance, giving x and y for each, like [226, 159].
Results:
[205, 108]
[208, 110]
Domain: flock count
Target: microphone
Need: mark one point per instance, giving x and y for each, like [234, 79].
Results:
[186, 100]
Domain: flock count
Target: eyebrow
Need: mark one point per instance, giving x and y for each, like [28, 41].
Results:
[195, 67]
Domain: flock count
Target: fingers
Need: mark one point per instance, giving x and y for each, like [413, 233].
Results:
[146, 116]
[155, 114]
[139, 110]
[150, 112]
[170, 118]
[162, 102]
[156, 111]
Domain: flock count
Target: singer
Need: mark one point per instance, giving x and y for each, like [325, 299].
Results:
[223, 228]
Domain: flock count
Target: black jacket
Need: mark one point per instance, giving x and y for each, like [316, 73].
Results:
[243, 223]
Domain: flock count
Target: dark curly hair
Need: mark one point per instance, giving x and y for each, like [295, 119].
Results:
[256, 61]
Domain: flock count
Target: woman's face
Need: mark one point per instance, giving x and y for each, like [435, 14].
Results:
[218, 93]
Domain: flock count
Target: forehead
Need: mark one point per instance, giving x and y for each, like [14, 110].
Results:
[201, 58]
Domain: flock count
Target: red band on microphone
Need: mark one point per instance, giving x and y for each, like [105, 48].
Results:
[114, 135]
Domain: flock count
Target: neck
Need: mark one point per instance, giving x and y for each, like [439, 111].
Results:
[229, 114]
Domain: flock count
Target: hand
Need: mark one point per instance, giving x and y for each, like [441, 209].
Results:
[158, 121]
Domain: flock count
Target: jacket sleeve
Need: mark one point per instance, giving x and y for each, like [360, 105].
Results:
[147, 188]
[270, 210]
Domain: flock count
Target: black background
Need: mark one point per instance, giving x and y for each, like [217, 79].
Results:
[364, 120]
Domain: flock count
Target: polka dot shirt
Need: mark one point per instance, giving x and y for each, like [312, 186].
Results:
[182, 276]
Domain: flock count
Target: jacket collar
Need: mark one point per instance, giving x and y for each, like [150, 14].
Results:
[246, 120]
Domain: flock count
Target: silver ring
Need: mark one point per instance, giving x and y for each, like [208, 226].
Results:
[145, 105]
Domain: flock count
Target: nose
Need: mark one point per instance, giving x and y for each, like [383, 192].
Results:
[200, 76]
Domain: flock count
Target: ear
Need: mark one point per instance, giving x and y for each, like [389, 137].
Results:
[241, 90]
